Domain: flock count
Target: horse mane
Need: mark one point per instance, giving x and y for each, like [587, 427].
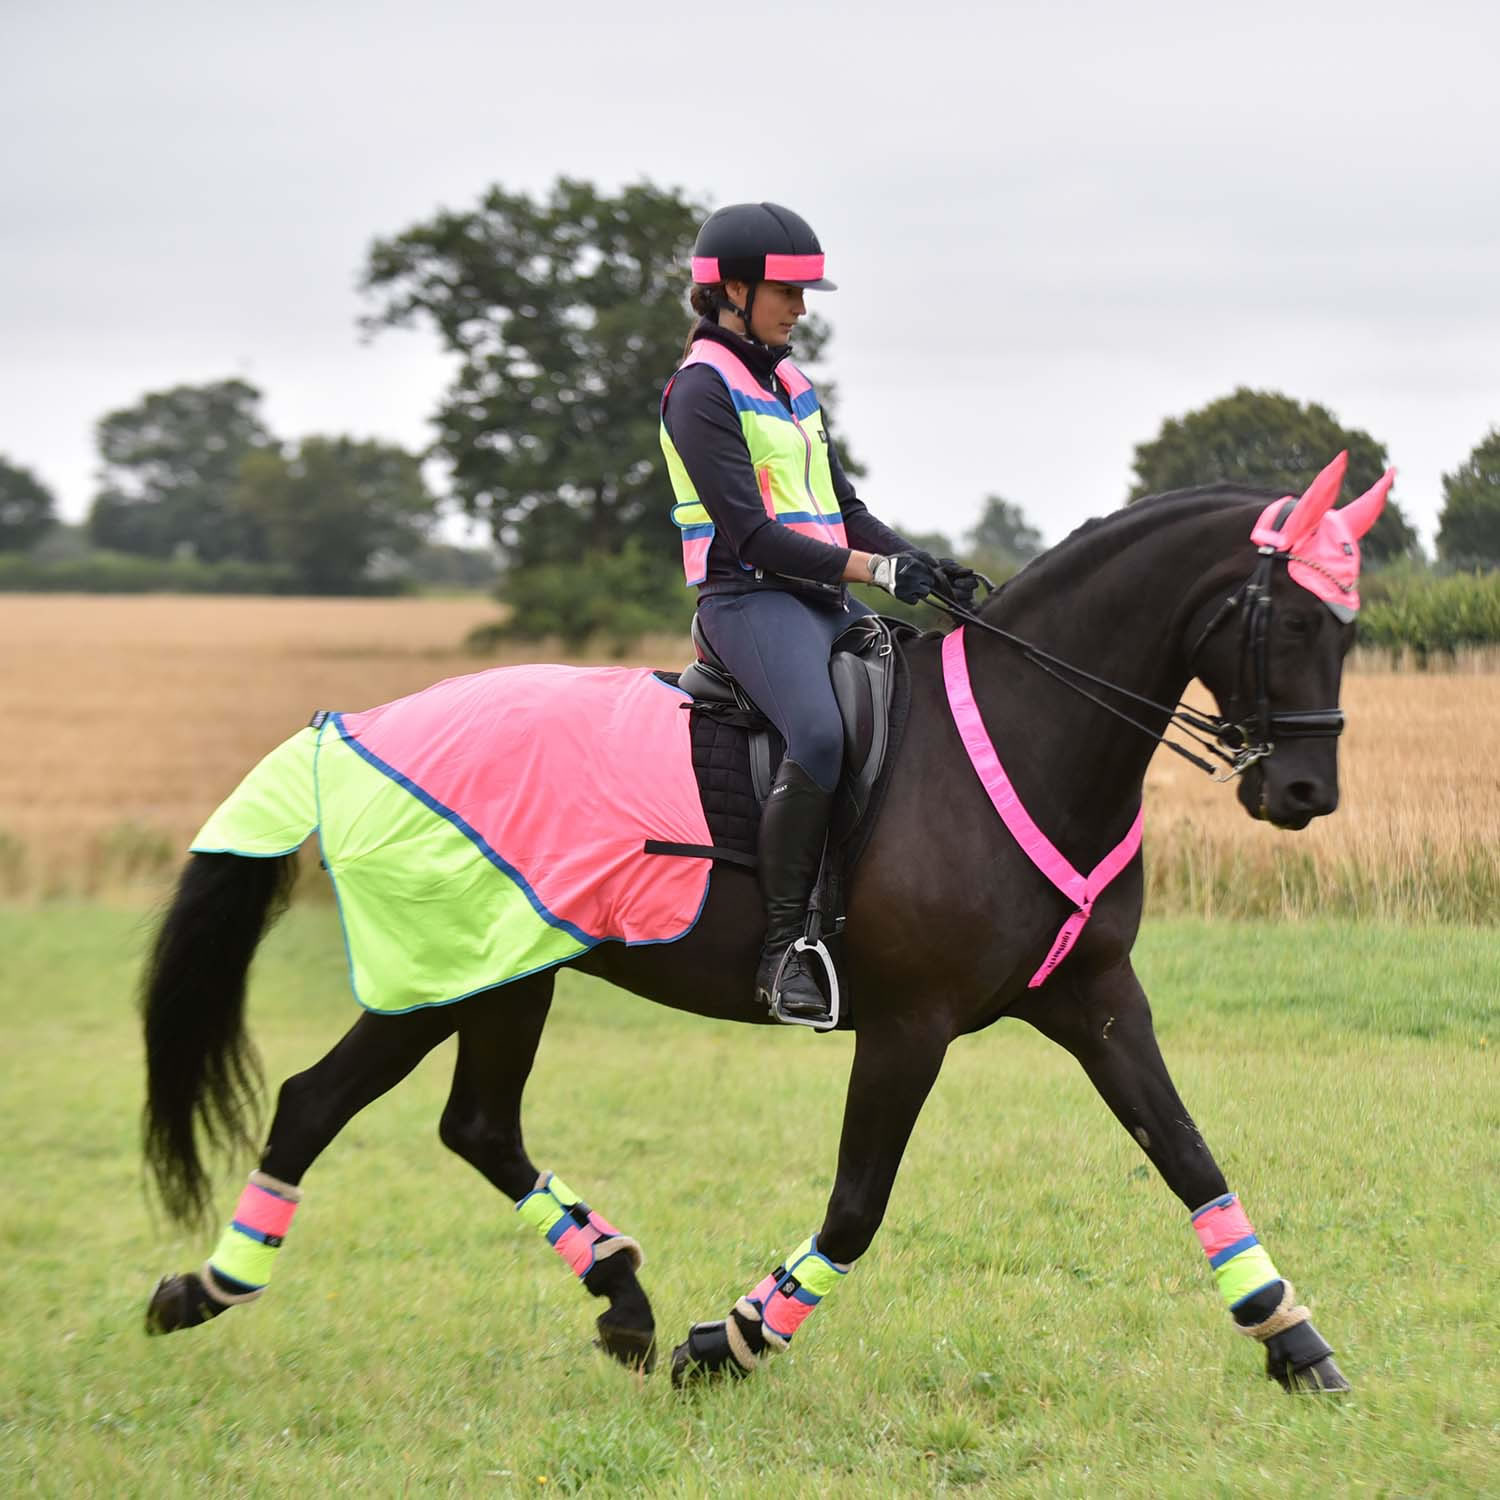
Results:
[1103, 535]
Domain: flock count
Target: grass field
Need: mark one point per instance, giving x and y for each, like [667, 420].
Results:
[1034, 1318]
[138, 714]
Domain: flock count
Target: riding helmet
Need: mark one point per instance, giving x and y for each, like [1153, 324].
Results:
[759, 242]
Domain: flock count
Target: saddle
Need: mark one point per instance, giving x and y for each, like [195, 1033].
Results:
[736, 751]
[865, 669]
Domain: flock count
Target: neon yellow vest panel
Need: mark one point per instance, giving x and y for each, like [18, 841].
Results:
[788, 450]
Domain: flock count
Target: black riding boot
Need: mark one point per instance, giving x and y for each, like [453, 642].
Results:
[793, 828]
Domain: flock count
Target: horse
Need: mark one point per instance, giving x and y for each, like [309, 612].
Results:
[951, 925]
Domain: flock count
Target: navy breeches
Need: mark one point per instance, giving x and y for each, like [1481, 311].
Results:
[778, 647]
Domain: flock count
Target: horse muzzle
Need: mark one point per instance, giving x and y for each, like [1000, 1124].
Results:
[1290, 794]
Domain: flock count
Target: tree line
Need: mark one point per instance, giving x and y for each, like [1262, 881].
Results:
[197, 493]
[566, 311]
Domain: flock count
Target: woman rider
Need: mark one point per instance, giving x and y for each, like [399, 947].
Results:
[772, 531]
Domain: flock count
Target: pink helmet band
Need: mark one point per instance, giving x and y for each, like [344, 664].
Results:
[794, 268]
[791, 268]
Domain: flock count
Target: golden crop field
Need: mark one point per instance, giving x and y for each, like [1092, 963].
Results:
[126, 719]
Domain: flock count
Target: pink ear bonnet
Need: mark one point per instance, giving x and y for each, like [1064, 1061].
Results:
[1322, 544]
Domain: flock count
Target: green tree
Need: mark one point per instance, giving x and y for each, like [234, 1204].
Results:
[616, 597]
[567, 314]
[1469, 527]
[1004, 536]
[1268, 440]
[170, 466]
[330, 508]
[28, 510]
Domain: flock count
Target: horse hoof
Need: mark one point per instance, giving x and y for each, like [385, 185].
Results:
[633, 1347]
[684, 1367]
[179, 1302]
[1300, 1360]
[707, 1352]
[1322, 1378]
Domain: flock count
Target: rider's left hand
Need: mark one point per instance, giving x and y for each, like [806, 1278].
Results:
[960, 584]
[954, 580]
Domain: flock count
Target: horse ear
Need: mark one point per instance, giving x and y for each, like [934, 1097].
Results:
[1360, 515]
[1317, 500]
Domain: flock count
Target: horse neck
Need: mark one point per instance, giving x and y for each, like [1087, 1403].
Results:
[1115, 603]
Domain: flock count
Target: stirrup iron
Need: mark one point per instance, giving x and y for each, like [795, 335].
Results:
[803, 945]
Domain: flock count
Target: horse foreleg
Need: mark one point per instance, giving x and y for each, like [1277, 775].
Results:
[1106, 1025]
[372, 1057]
[895, 1064]
[497, 1045]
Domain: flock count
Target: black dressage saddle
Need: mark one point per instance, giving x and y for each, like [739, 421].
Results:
[736, 751]
[868, 676]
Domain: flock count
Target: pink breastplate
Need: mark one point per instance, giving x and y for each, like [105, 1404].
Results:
[1081, 890]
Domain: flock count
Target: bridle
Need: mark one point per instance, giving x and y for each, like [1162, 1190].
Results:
[1257, 737]
[1237, 743]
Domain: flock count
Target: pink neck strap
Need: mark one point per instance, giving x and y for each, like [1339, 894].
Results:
[1081, 890]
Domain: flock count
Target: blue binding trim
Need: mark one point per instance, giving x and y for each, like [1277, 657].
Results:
[1220, 1202]
[467, 829]
[233, 1285]
[1248, 1295]
[254, 1234]
[553, 963]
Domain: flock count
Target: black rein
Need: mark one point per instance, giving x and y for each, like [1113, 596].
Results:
[1236, 744]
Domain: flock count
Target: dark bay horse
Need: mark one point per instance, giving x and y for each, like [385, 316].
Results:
[948, 921]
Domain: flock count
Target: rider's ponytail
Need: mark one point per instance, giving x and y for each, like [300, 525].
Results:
[705, 302]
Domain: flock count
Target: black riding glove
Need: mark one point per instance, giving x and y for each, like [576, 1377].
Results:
[959, 583]
[954, 580]
[910, 576]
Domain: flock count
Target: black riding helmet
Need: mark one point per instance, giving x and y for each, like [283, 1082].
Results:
[757, 242]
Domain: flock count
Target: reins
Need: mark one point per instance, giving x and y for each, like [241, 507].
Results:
[1245, 743]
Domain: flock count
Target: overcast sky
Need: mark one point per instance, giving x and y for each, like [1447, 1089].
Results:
[1053, 225]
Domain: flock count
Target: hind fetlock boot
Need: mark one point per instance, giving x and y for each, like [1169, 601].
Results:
[793, 829]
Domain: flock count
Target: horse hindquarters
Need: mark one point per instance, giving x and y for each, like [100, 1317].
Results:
[1105, 1022]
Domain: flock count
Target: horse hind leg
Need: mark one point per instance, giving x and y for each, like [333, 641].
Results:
[1106, 1025]
[497, 1044]
[312, 1107]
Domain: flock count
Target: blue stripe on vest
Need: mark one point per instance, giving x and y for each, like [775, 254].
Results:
[809, 515]
[767, 406]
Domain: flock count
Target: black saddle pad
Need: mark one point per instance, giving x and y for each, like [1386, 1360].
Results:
[721, 762]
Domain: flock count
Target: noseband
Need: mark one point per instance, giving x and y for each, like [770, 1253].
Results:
[1236, 742]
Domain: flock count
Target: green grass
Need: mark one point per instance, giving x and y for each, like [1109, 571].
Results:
[1034, 1318]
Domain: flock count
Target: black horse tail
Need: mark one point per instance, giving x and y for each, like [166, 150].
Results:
[202, 1072]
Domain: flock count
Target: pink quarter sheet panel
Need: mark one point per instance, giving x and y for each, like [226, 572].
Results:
[564, 772]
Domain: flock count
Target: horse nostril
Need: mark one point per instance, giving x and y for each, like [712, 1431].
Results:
[1305, 794]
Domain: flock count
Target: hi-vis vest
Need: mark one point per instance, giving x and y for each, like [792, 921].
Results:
[788, 450]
